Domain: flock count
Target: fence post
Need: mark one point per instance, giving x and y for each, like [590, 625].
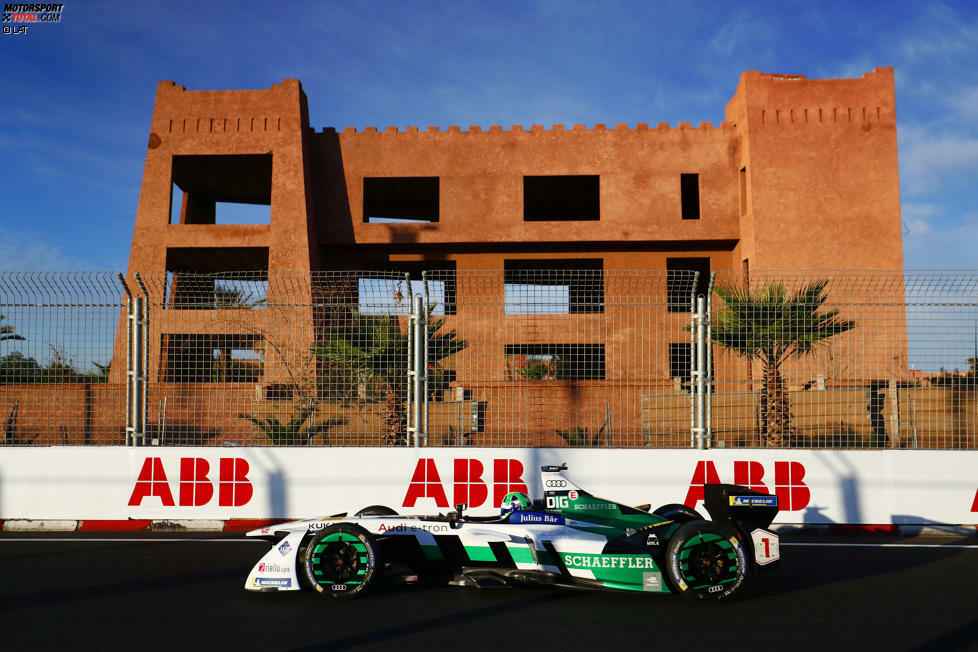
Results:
[136, 431]
[130, 371]
[425, 389]
[709, 361]
[416, 372]
[692, 360]
[700, 373]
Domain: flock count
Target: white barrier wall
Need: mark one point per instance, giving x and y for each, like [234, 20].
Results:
[870, 487]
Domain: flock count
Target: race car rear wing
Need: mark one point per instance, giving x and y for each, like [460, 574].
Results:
[738, 504]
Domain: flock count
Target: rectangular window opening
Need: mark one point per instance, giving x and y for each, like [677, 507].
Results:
[400, 199]
[211, 358]
[222, 291]
[555, 362]
[553, 286]
[680, 359]
[690, 193]
[230, 189]
[679, 281]
[561, 198]
[383, 290]
[393, 296]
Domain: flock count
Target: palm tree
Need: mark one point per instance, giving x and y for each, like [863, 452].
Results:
[771, 325]
[7, 332]
[295, 432]
[373, 351]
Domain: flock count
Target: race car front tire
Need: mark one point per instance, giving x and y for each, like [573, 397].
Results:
[342, 560]
[706, 561]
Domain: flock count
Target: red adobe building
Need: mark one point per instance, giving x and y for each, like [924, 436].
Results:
[801, 175]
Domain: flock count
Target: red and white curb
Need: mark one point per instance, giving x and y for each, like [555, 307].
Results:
[244, 525]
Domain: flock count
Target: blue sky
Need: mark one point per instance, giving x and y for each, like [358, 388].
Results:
[76, 97]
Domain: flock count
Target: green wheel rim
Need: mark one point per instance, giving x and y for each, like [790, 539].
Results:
[339, 558]
[708, 560]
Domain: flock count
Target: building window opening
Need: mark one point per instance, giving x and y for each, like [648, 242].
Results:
[690, 194]
[395, 296]
[221, 189]
[216, 278]
[224, 291]
[561, 198]
[400, 199]
[553, 286]
[555, 362]
[212, 358]
[680, 361]
[680, 279]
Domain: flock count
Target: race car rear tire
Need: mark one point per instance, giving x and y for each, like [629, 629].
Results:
[678, 512]
[706, 561]
[342, 560]
[376, 510]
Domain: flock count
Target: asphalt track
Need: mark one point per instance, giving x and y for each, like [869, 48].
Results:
[165, 592]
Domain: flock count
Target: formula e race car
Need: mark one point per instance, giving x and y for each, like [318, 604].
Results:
[568, 538]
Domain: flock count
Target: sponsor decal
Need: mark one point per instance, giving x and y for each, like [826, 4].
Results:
[266, 567]
[284, 548]
[789, 482]
[573, 495]
[536, 517]
[557, 502]
[652, 540]
[468, 487]
[652, 582]
[590, 506]
[753, 501]
[555, 484]
[608, 561]
[281, 582]
[195, 486]
[407, 528]
[629, 531]
[677, 573]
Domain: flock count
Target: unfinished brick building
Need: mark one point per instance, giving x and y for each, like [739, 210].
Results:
[801, 175]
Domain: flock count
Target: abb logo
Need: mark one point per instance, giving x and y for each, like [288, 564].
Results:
[789, 482]
[233, 486]
[468, 487]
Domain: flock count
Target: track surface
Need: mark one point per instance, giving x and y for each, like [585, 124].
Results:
[152, 592]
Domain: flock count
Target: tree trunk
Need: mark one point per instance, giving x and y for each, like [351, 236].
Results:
[395, 418]
[775, 417]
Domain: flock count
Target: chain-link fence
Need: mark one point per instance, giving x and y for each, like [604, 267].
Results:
[844, 360]
[60, 382]
[530, 355]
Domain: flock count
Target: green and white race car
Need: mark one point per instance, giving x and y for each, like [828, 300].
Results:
[567, 538]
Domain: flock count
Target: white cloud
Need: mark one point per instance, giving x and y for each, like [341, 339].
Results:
[32, 252]
[933, 244]
[964, 103]
[741, 31]
[928, 158]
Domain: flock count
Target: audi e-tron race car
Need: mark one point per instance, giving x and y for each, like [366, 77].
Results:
[568, 538]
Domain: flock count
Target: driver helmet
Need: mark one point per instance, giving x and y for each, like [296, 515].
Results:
[515, 501]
